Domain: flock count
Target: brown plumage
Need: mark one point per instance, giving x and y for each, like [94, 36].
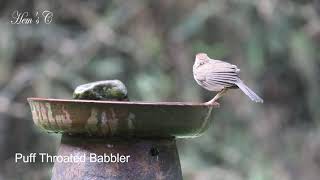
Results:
[216, 75]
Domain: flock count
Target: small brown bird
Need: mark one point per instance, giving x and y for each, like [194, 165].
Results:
[216, 75]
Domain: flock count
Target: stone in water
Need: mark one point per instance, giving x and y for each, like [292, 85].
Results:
[102, 90]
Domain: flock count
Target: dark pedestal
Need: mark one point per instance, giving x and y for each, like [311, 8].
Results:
[141, 159]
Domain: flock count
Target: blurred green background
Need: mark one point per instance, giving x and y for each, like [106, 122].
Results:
[150, 46]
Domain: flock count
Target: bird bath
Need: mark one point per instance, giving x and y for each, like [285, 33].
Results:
[139, 133]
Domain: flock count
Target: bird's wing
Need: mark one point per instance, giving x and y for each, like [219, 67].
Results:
[221, 73]
[223, 66]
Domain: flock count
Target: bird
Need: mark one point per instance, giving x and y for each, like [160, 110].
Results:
[219, 76]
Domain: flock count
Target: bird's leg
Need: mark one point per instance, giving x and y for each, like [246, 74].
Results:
[219, 95]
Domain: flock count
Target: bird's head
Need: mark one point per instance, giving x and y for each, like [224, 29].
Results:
[201, 58]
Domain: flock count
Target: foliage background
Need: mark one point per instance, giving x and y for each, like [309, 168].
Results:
[150, 46]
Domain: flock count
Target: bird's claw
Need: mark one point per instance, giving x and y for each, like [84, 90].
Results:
[212, 103]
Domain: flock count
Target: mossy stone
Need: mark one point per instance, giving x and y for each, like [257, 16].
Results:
[102, 90]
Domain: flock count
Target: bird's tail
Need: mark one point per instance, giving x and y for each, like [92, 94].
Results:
[253, 96]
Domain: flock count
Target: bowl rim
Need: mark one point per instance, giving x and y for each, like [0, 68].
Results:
[173, 103]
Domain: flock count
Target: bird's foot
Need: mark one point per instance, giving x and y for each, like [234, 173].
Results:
[212, 103]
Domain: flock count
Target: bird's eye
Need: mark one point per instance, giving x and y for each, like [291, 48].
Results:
[201, 63]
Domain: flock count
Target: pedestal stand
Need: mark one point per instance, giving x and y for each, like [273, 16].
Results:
[123, 158]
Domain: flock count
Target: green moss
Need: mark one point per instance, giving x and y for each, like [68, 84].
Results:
[102, 90]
